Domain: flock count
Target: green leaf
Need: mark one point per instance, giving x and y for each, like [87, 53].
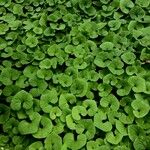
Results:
[134, 131]
[79, 87]
[108, 46]
[31, 41]
[3, 44]
[116, 66]
[125, 6]
[90, 106]
[45, 64]
[110, 79]
[141, 143]
[114, 24]
[18, 9]
[2, 2]
[114, 138]
[53, 141]
[137, 83]
[45, 130]
[79, 63]
[22, 100]
[102, 59]
[70, 122]
[38, 30]
[128, 116]
[124, 88]
[52, 50]
[30, 71]
[8, 75]
[65, 80]
[128, 58]
[100, 121]
[86, 126]
[110, 101]
[78, 111]
[50, 2]
[55, 112]
[72, 144]
[38, 55]
[130, 70]
[30, 127]
[121, 128]
[10, 90]
[48, 98]
[137, 13]
[54, 16]
[104, 89]
[140, 108]
[3, 28]
[36, 145]
[66, 99]
[14, 25]
[44, 74]
[143, 3]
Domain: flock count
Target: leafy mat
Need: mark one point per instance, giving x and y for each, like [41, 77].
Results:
[74, 75]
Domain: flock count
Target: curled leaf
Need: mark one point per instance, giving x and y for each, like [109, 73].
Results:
[78, 111]
[110, 101]
[31, 41]
[90, 106]
[46, 128]
[134, 131]
[114, 138]
[72, 144]
[100, 121]
[128, 57]
[116, 66]
[23, 100]
[137, 83]
[79, 87]
[48, 98]
[140, 108]
[53, 141]
[30, 127]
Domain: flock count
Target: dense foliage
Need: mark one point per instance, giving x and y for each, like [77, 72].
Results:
[75, 74]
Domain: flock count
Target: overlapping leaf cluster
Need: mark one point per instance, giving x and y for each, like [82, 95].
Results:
[74, 74]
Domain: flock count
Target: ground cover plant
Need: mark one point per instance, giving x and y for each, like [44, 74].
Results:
[74, 74]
